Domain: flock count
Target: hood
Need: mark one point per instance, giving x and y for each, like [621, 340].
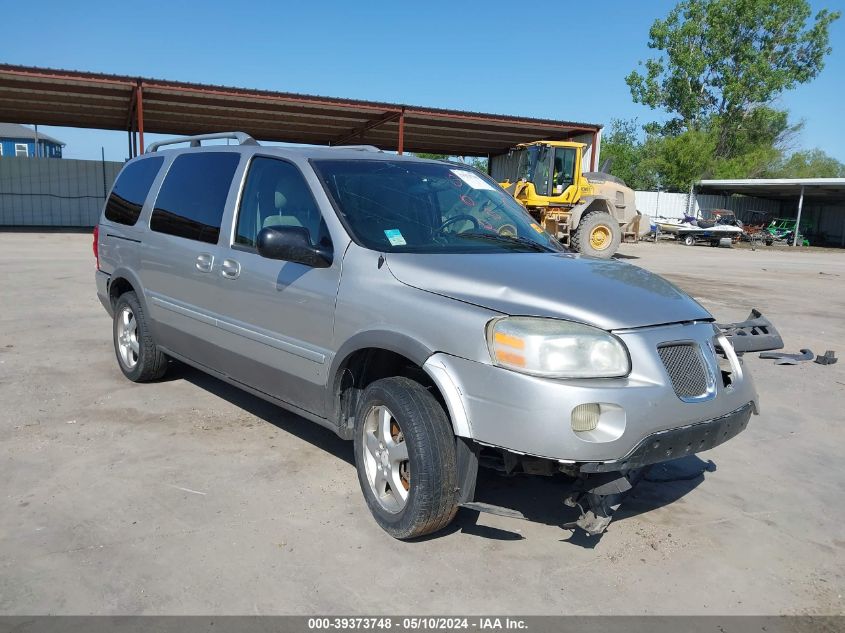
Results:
[608, 294]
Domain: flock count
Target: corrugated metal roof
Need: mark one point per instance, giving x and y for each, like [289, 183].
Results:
[14, 130]
[80, 99]
[779, 188]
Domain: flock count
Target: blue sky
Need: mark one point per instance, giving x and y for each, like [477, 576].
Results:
[564, 60]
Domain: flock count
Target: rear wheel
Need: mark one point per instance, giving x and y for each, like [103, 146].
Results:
[137, 354]
[405, 457]
[597, 235]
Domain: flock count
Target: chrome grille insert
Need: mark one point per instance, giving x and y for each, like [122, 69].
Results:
[686, 369]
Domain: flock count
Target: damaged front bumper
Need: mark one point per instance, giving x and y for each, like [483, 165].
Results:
[649, 419]
[602, 486]
[529, 415]
[674, 443]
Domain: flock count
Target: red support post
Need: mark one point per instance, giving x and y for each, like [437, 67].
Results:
[140, 112]
[401, 131]
[593, 151]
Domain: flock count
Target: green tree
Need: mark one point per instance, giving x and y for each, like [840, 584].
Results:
[677, 160]
[627, 155]
[478, 163]
[431, 156]
[680, 159]
[812, 163]
[723, 58]
[673, 161]
[720, 64]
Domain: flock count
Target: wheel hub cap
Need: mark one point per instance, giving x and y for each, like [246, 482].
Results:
[600, 238]
[126, 334]
[385, 457]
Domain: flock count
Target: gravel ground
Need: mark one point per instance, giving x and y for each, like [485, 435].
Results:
[191, 497]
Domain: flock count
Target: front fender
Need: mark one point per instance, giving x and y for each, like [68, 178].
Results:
[389, 340]
[438, 369]
[600, 203]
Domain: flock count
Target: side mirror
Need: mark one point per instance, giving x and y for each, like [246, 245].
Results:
[292, 244]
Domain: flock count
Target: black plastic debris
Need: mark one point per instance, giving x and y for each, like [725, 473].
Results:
[828, 358]
[755, 334]
[781, 358]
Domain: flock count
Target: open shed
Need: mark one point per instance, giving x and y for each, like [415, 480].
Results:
[143, 104]
[817, 203]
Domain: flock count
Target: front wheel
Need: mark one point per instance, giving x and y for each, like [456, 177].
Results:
[688, 240]
[598, 235]
[405, 457]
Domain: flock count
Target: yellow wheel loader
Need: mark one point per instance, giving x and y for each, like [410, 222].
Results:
[587, 211]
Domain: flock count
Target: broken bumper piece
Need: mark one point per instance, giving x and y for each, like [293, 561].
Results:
[755, 334]
[603, 486]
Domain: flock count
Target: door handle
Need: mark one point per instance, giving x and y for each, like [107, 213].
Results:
[230, 269]
[205, 261]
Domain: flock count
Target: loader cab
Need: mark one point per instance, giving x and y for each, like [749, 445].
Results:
[553, 170]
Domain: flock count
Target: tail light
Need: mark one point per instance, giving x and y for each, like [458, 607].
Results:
[96, 245]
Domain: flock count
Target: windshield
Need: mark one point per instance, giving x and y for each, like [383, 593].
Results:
[422, 207]
[527, 162]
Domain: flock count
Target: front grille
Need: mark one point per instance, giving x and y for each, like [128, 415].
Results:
[685, 366]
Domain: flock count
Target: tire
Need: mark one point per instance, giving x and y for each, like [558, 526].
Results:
[401, 409]
[137, 354]
[597, 235]
[688, 240]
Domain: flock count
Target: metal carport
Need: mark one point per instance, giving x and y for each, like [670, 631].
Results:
[827, 194]
[142, 104]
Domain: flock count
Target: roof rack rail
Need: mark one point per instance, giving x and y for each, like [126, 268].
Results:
[242, 137]
[360, 148]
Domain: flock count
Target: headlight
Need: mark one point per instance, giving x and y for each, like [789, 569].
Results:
[555, 348]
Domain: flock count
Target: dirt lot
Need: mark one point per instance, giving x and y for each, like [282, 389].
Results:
[190, 497]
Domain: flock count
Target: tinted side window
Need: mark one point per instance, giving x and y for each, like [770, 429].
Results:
[193, 195]
[131, 189]
[276, 194]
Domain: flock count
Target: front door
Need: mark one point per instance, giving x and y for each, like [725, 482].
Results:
[563, 179]
[278, 316]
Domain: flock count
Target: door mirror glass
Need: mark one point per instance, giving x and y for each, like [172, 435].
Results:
[292, 244]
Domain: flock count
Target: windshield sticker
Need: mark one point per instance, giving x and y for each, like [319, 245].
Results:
[455, 180]
[467, 200]
[394, 236]
[473, 180]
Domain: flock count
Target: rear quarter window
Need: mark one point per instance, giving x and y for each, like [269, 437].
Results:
[193, 196]
[131, 189]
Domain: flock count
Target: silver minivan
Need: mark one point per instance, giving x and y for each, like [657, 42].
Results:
[414, 307]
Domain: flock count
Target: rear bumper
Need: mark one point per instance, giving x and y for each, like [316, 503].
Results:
[674, 443]
[102, 280]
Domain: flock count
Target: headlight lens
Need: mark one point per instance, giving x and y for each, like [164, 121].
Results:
[555, 348]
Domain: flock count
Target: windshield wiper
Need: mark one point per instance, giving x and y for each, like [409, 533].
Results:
[507, 239]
